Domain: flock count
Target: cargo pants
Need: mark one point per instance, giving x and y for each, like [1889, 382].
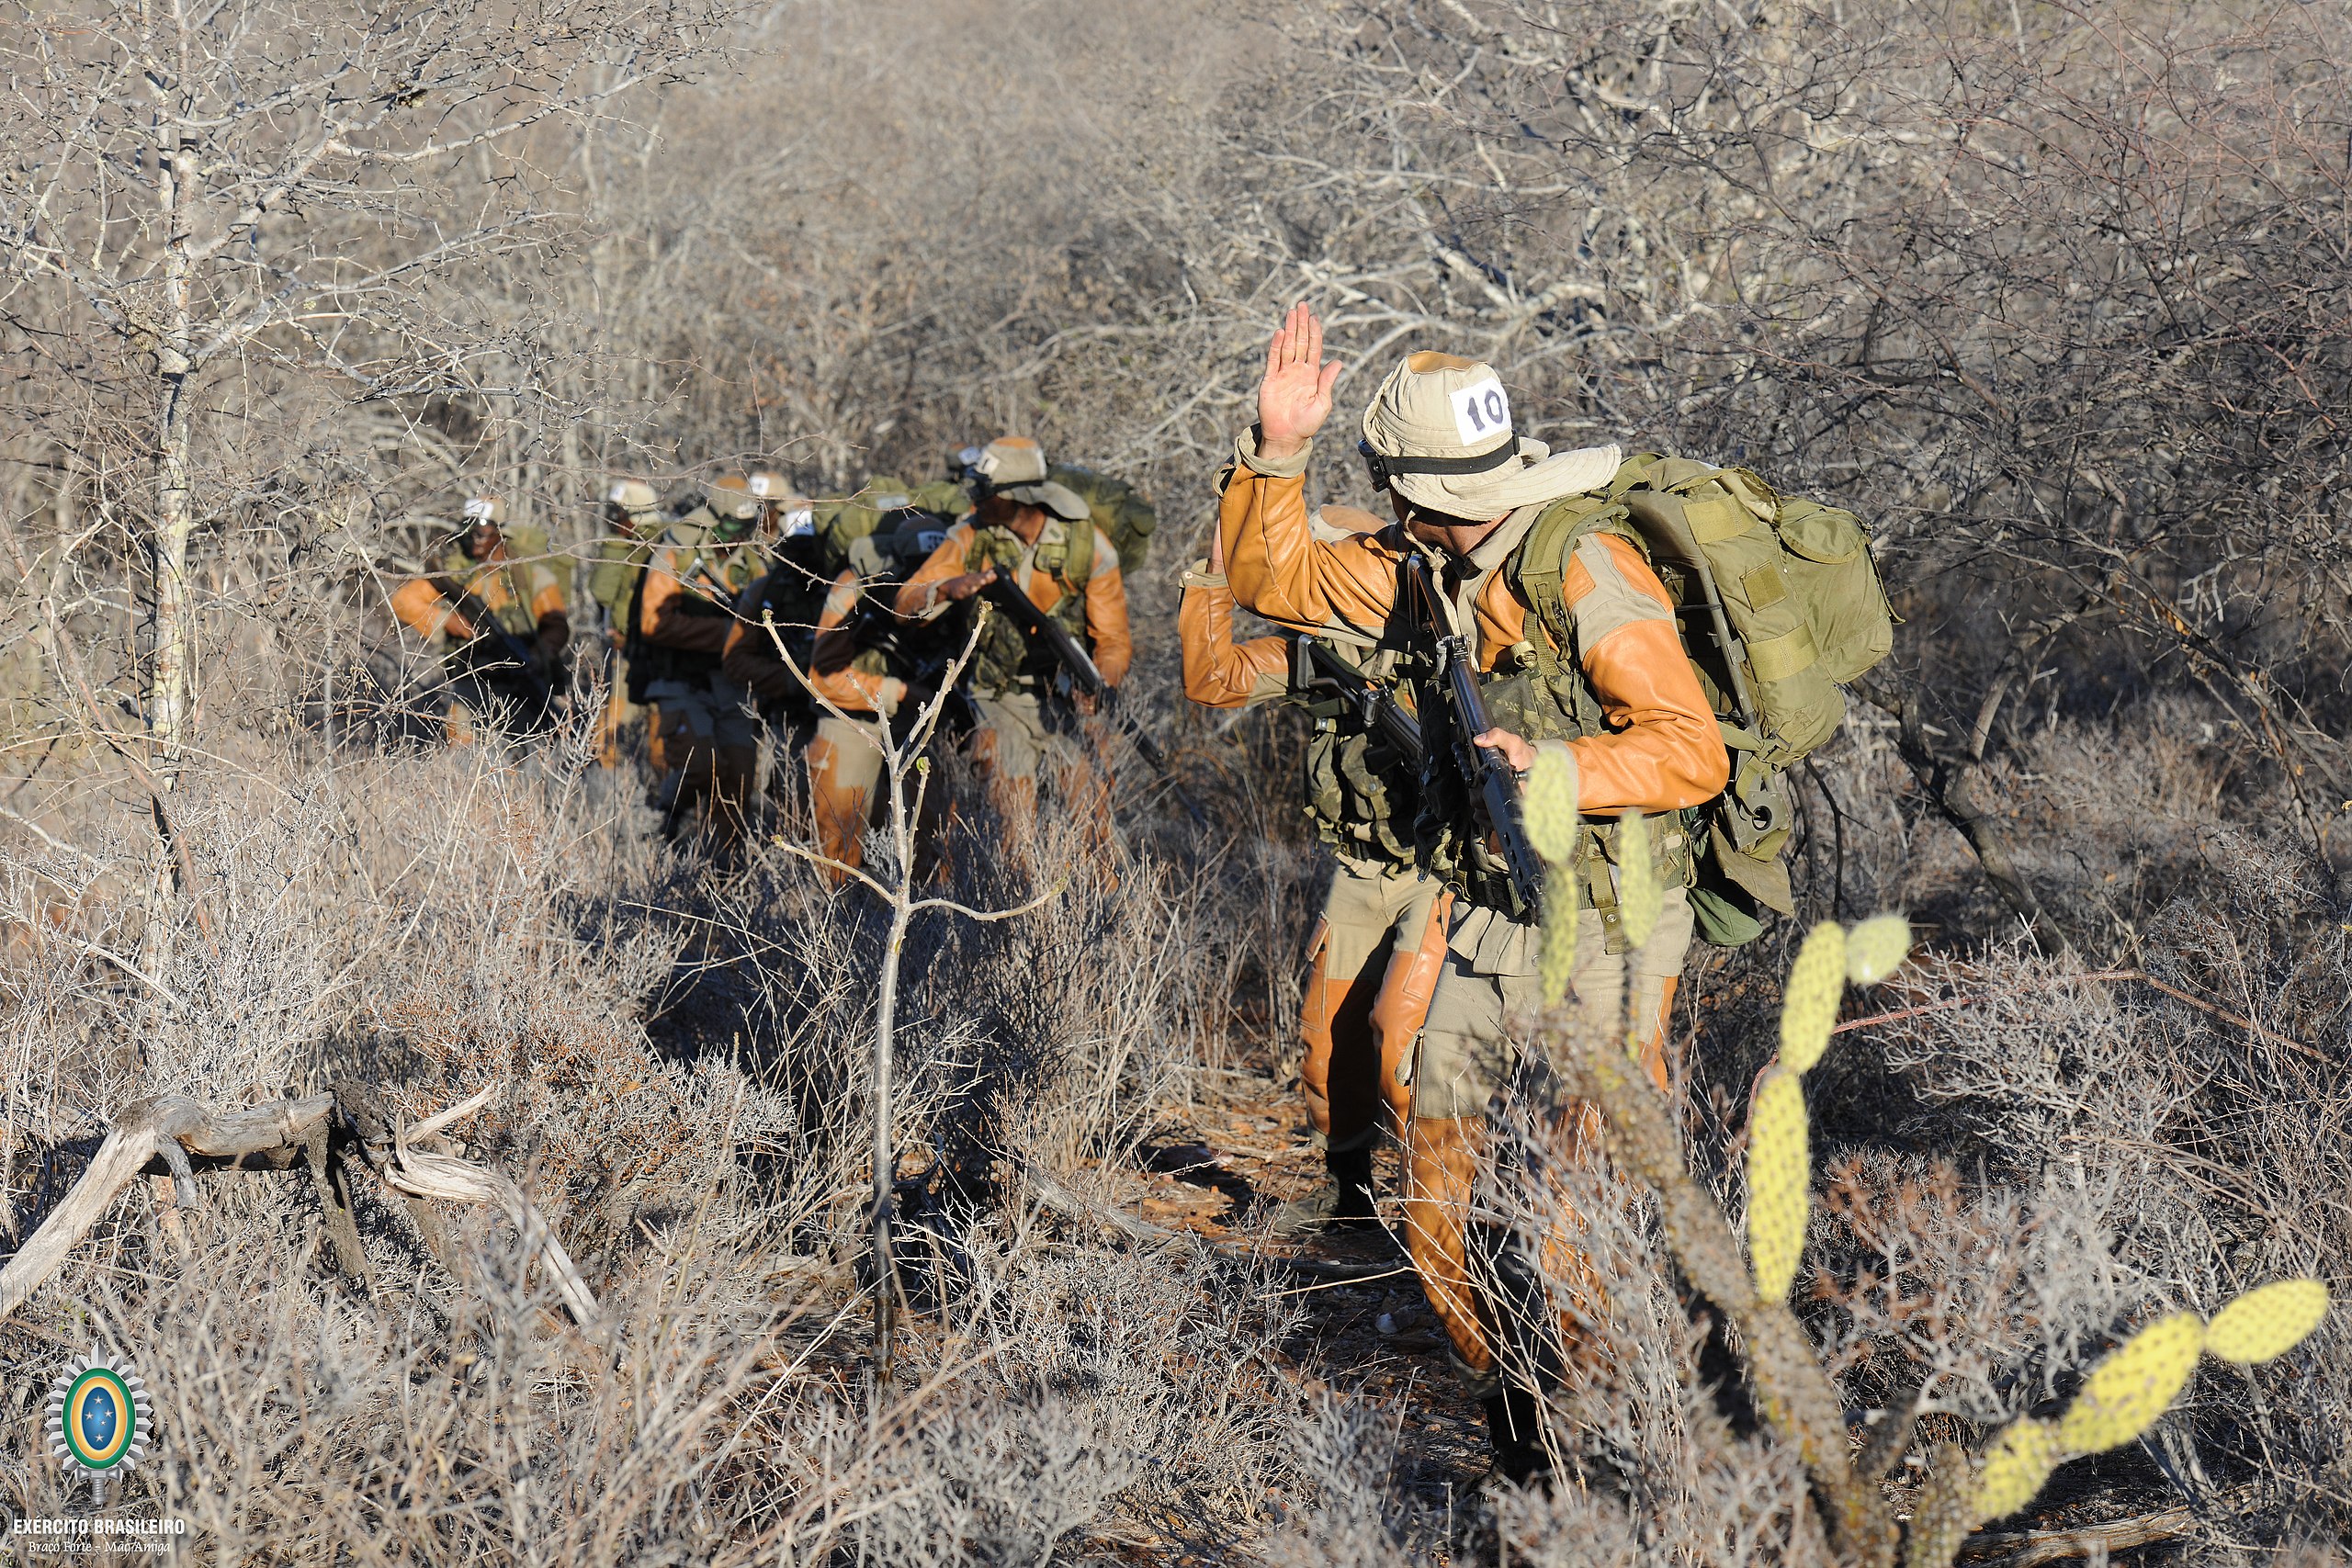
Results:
[1374, 964]
[1478, 1042]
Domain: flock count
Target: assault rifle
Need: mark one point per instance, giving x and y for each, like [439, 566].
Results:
[482, 652]
[1375, 705]
[1006, 594]
[1497, 786]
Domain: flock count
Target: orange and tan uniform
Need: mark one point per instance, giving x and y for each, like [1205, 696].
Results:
[844, 760]
[1380, 942]
[1658, 752]
[519, 593]
[1071, 573]
[700, 736]
[1104, 593]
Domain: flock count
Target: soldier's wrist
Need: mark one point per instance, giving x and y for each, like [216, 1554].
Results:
[1289, 464]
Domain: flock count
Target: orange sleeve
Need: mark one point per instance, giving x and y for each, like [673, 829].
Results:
[419, 604]
[1218, 673]
[666, 620]
[946, 562]
[1106, 613]
[1664, 750]
[830, 675]
[1280, 570]
[549, 600]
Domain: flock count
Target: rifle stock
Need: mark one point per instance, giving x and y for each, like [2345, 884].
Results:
[1006, 594]
[1498, 785]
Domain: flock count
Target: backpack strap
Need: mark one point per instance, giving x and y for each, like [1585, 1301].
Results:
[1542, 565]
[1078, 562]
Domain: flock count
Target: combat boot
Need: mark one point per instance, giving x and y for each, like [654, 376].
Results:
[1516, 1434]
[1344, 1204]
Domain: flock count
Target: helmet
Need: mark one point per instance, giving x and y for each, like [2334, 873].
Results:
[632, 496]
[767, 484]
[730, 496]
[480, 509]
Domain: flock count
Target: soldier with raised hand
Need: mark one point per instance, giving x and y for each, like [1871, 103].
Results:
[700, 730]
[511, 666]
[1468, 492]
[1380, 942]
[1042, 536]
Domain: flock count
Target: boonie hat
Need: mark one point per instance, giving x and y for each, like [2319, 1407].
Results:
[1014, 467]
[1439, 432]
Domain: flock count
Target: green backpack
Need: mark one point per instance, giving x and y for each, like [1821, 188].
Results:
[1126, 518]
[1778, 603]
[842, 522]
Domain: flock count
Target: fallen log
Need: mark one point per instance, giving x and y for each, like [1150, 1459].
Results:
[2032, 1549]
[168, 1129]
[170, 1135]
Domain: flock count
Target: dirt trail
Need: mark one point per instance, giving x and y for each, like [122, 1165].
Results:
[1219, 1175]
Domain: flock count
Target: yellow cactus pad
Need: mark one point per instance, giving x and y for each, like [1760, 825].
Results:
[2016, 1466]
[1816, 984]
[1638, 895]
[1875, 948]
[2126, 1392]
[1558, 961]
[2265, 1324]
[1548, 799]
[1779, 1173]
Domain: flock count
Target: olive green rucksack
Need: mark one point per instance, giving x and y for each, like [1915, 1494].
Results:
[842, 522]
[1778, 603]
[1119, 509]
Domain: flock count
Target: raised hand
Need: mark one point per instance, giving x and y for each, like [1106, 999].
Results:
[1294, 399]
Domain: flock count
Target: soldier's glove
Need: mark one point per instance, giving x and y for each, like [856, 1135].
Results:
[554, 632]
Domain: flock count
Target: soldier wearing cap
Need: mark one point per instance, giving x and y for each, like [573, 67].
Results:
[1467, 491]
[1040, 534]
[700, 731]
[511, 667]
[631, 523]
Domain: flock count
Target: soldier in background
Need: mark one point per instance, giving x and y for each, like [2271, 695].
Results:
[1043, 537]
[797, 640]
[701, 735]
[632, 525]
[1380, 944]
[497, 616]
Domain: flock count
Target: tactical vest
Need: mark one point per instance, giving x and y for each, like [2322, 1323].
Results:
[1065, 552]
[612, 579]
[1538, 690]
[503, 585]
[715, 576]
[1361, 789]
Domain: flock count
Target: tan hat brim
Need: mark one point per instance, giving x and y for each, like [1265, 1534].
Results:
[1060, 500]
[1540, 476]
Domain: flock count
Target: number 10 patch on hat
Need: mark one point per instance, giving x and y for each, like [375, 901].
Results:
[1481, 412]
